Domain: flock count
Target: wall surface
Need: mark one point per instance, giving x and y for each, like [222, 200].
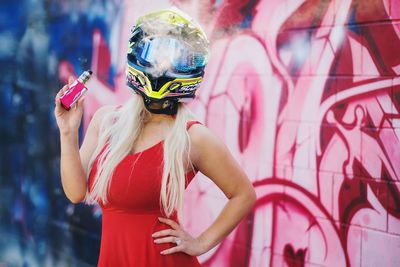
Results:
[306, 95]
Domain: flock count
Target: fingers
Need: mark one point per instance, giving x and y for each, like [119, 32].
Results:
[59, 94]
[168, 239]
[172, 250]
[81, 101]
[62, 91]
[165, 232]
[70, 80]
[170, 236]
[171, 223]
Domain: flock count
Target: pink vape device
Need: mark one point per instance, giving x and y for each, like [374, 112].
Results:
[75, 91]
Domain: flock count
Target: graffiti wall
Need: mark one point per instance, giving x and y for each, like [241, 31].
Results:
[306, 94]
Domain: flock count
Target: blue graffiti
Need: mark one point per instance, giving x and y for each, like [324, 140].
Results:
[38, 226]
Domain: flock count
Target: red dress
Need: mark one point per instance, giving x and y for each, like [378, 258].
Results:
[131, 214]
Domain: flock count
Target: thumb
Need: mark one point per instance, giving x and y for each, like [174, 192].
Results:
[70, 80]
[80, 102]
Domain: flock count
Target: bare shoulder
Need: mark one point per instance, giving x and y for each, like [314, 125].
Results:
[92, 132]
[100, 113]
[211, 157]
[204, 142]
[104, 110]
[199, 133]
[95, 122]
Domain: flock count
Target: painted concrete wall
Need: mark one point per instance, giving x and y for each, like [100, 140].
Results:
[306, 95]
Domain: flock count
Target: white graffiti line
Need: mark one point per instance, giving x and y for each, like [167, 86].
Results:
[306, 137]
[305, 94]
[311, 106]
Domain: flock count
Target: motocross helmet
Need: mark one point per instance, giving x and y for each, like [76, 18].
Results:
[167, 55]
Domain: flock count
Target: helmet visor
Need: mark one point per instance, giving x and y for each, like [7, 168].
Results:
[168, 54]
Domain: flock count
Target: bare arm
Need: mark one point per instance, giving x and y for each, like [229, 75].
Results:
[74, 161]
[213, 159]
[72, 173]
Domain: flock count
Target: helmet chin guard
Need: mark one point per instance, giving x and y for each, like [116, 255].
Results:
[168, 107]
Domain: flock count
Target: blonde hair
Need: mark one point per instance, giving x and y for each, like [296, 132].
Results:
[119, 131]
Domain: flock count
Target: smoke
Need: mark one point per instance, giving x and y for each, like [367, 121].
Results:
[172, 47]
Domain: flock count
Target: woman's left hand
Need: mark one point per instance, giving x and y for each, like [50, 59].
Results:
[184, 241]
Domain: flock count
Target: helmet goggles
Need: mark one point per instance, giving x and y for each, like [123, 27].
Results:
[167, 54]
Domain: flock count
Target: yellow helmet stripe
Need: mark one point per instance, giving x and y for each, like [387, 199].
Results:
[145, 82]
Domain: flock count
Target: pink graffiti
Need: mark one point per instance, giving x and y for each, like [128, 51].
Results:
[306, 97]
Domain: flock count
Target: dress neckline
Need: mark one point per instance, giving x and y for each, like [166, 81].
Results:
[189, 124]
[193, 171]
[146, 149]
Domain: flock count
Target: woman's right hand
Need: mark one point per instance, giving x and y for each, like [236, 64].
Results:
[68, 121]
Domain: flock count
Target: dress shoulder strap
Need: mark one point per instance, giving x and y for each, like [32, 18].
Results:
[191, 123]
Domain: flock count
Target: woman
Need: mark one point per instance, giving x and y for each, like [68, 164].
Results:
[137, 159]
